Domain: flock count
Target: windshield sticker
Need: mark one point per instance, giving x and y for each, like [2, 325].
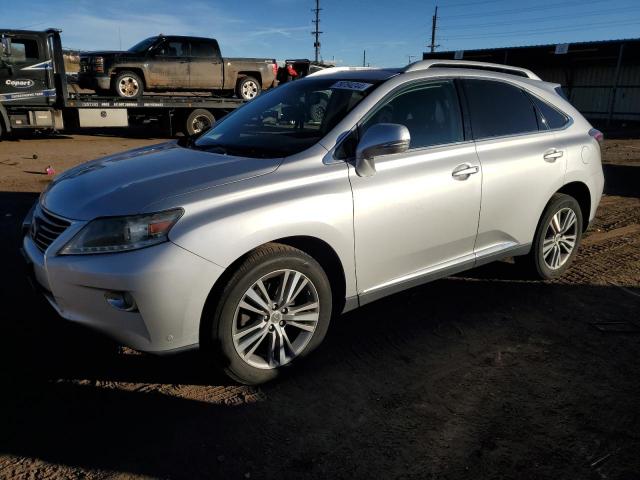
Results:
[346, 85]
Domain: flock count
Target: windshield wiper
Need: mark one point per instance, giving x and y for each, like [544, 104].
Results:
[239, 150]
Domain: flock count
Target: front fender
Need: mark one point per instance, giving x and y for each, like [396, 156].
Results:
[286, 203]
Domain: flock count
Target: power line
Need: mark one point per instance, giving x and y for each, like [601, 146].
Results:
[542, 31]
[536, 19]
[525, 9]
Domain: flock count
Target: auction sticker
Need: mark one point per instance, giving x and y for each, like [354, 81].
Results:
[346, 85]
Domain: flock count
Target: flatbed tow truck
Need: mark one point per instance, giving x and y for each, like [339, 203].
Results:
[35, 94]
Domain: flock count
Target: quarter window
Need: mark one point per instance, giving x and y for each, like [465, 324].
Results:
[498, 109]
[549, 117]
[430, 111]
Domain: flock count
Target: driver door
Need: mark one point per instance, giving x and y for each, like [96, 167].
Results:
[414, 218]
[169, 65]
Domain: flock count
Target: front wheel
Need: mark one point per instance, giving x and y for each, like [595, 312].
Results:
[248, 88]
[557, 238]
[128, 85]
[274, 310]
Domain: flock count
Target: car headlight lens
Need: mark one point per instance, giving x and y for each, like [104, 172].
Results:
[120, 234]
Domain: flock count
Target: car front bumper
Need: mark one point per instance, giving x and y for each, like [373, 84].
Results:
[94, 81]
[169, 284]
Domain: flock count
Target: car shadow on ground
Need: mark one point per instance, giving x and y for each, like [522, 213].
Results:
[473, 374]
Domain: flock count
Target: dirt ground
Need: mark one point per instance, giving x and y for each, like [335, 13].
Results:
[480, 376]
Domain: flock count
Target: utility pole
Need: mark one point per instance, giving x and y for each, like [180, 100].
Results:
[434, 24]
[317, 31]
[364, 58]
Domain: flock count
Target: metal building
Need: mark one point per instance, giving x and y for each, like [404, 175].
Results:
[602, 79]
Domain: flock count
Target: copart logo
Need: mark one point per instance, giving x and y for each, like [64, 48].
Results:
[20, 83]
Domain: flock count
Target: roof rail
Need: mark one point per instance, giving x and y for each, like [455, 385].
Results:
[330, 70]
[493, 67]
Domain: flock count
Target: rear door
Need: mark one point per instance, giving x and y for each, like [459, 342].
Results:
[206, 68]
[523, 164]
[24, 74]
[169, 65]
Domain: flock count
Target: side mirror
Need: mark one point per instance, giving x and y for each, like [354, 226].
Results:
[6, 46]
[380, 139]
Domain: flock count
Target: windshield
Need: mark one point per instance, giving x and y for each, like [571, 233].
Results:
[287, 120]
[143, 46]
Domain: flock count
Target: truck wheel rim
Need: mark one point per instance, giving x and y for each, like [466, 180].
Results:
[560, 238]
[249, 89]
[200, 123]
[275, 319]
[128, 86]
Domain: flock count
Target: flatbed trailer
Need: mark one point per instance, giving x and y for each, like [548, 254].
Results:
[35, 94]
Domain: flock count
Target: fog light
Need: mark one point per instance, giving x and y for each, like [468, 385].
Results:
[121, 301]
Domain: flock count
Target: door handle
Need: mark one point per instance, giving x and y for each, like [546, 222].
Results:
[464, 171]
[552, 155]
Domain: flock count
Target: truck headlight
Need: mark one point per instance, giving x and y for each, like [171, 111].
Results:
[119, 234]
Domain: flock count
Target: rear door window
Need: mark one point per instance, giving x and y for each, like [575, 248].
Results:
[203, 49]
[498, 109]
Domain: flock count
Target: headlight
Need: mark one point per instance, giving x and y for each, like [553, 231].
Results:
[119, 234]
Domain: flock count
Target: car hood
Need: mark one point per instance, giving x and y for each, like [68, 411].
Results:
[126, 183]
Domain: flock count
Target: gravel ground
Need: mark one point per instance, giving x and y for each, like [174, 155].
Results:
[482, 375]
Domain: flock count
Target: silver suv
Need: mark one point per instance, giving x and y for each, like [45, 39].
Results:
[321, 196]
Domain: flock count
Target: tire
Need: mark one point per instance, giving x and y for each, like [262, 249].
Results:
[255, 357]
[550, 255]
[1, 130]
[198, 121]
[248, 88]
[128, 85]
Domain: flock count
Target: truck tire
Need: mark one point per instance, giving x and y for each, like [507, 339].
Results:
[128, 85]
[198, 121]
[248, 88]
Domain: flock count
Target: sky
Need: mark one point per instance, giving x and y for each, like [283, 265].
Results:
[391, 32]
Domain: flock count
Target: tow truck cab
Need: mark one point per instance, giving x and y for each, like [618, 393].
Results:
[33, 86]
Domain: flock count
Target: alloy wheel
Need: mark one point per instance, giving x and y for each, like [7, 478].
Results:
[249, 90]
[128, 86]
[275, 319]
[560, 238]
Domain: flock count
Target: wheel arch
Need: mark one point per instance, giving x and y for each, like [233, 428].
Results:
[579, 191]
[137, 70]
[316, 248]
[255, 74]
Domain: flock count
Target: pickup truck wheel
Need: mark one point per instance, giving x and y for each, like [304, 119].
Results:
[248, 88]
[128, 85]
[274, 310]
[198, 121]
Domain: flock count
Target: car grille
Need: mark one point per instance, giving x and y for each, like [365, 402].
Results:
[45, 228]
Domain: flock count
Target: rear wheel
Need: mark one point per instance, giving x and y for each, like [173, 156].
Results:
[274, 310]
[199, 121]
[557, 238]
[128, 85]
[248, 88]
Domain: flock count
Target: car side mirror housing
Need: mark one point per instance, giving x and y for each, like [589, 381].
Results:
[380, 139]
